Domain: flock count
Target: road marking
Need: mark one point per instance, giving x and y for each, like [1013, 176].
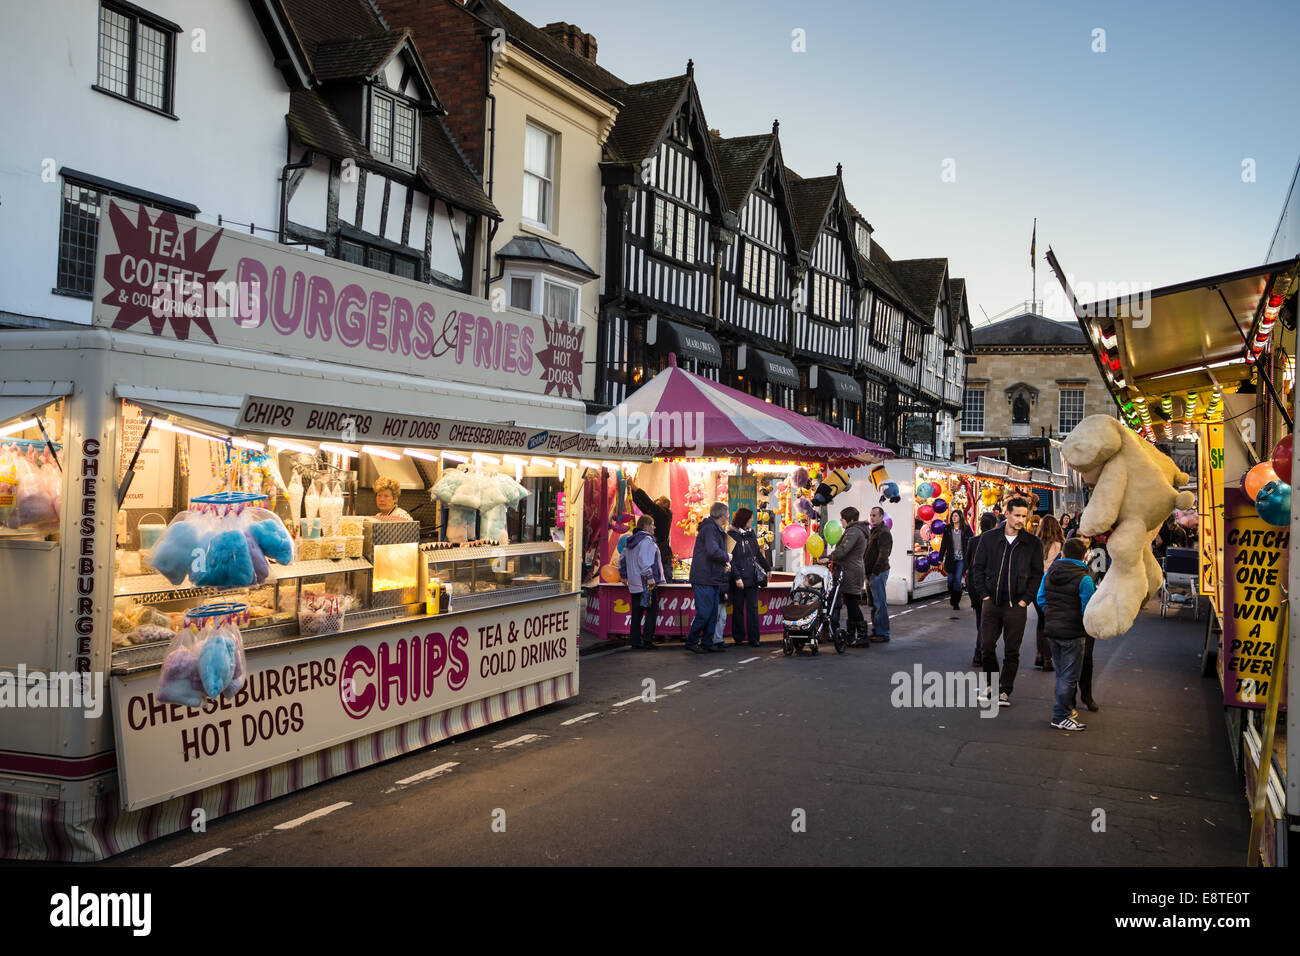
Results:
[574, 720]
[776, 654]
[630, 700]
[680, 683]
[716, 670]
[748, 660]
[526, 738]
[192, 861]
[426, 774]
[312, 816]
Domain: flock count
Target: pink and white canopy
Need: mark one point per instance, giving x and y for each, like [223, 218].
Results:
[693, 417]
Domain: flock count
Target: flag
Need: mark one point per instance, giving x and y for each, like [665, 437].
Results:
[1033, 245]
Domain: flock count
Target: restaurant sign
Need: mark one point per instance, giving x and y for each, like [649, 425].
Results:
[179, 279]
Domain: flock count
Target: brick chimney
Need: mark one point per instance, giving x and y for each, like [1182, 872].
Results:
[572, 38]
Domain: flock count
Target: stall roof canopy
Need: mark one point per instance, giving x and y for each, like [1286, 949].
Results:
[21, 399]
[1186, 336]
[219, 411]
[688, 342]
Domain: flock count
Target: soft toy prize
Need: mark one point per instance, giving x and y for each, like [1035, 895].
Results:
[1134, 489]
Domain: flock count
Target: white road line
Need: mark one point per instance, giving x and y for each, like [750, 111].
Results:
[716, 670]
[630, 700]
[748, 660]
[574, 720]
[426, 774]
[526, 738]
[312, 816]
[680, 683]
[202, 857]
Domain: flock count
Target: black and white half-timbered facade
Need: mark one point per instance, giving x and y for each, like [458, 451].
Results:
[882, 323]
[375, 176]
[664, 217]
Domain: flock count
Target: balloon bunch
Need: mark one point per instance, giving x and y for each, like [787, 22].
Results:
[1268, 485]
[934, 505]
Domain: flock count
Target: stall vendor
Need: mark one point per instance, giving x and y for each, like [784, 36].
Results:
[661, 510]
[386, 492]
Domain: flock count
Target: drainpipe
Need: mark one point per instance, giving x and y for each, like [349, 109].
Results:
[492, 159]
[306, 162]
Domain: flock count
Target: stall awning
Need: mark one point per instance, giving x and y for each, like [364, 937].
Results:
[688, 343]
[22, 399]
[839, 385]
[765, 367]
[209, 408]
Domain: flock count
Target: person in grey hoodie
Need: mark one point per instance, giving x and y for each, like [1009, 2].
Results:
[643, 570]
[849, 556]
[710, 568]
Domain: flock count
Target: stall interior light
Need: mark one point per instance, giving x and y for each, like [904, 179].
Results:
[219, 439]
[543, 462]
[20, 427]
[566, 462]
[422, 455]
[452, 456]
[337, 450]
[514, 459]
[381, 453]
[483, 459]
[589, 464]
[283, 445]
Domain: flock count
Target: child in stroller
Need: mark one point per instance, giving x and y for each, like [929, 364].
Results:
[812, 616]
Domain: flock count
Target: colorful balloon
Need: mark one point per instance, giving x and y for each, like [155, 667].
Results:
[1274, 503]
[834, 531]
[622, 542]
[926, 533]
[940, 506]
[889, 522]
[936, 543]
[815, 545]
[609, 574]
[938, 526]
[1257, 478]
[1282, 459]
[922, 564]
[925, 512]
[793, 536]
[925, 490]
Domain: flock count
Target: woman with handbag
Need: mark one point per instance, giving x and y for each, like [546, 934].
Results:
[954, 549]
[749, 571]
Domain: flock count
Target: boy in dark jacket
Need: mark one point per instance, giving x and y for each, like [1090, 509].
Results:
[1007, 571]
[1062, 597]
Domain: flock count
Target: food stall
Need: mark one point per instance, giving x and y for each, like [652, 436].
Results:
[715, 444]
[1213, 361]
[192, 545]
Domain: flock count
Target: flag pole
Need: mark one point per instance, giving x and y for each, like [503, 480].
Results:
[1033, 266]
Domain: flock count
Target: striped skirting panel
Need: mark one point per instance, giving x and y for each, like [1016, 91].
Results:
[33, 828]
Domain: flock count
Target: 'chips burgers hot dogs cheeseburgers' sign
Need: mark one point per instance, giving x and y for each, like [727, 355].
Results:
[190, 281]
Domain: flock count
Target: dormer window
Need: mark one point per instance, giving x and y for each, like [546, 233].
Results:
[765, 181]
[392, 129]
[681, 129]
[862, 238]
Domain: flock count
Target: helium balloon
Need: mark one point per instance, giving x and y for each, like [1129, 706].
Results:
[936, 489]
[938, 526]
[622, 542]
[1257, 478]
[925, 512]
[1274, 503]
[889, 522]
[940, 506]
[1282, 459]
[923, 490]
[815, 545]
[834, 531]
[936, 543]
[922, 564]
[926, 533]
[793, 536]
[609, 574]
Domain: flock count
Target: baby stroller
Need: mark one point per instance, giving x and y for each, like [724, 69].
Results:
[812, 616]
[1179, 589]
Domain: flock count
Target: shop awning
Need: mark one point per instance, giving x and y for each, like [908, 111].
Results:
[686, 342]
[763, 366]
[209, 408]
[22, 399]
[839, 385]
[692, 417]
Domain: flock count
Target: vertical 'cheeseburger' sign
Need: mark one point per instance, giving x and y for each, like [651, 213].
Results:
[187, 280]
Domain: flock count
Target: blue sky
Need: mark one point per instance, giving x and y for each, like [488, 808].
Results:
[1130, 158]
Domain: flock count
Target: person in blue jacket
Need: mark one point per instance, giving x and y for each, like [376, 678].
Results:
[1062, 598]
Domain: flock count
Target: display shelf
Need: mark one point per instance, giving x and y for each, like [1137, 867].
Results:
[462, 553]
[503, 596]
[161, 589]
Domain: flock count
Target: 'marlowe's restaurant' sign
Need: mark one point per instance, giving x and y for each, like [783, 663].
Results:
[190, 281]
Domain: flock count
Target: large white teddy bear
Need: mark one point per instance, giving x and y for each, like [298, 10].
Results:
[1134, 488]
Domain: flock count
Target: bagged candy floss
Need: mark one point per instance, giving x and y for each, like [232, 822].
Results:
[261, 570]
[217, 661]
[271, 535]
[179, 682]
[175, 552]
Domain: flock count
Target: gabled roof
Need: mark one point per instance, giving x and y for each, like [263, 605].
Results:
[741, 159]
[923, 279]
[319, 21]
[1029, 329]
[545, 47]
[811, 199]
[891, 284]
[956, 293]
[357, 57]
[644, 116]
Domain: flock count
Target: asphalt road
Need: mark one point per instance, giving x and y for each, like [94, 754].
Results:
[748, 757]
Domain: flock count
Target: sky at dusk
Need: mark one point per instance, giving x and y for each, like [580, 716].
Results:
[1131, 158]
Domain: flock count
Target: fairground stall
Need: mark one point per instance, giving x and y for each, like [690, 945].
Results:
[919, 499]
[715, 444]
[293, 540]
[1213, 361]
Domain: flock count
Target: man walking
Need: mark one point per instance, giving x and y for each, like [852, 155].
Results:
[1007, 571]
[988, 522]
[875, 563]
[710, 570]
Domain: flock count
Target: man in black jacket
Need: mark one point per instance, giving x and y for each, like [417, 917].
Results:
[1006, 571]
[875, 563]
[988, 522]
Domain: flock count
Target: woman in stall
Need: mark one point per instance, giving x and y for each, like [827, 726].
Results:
[387, 491]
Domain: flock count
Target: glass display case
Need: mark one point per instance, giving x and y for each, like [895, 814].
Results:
[481, 576]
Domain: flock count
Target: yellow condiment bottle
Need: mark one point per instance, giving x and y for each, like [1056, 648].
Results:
[432, 596]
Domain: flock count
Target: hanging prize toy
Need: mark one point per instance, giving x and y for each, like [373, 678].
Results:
[622, 519]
